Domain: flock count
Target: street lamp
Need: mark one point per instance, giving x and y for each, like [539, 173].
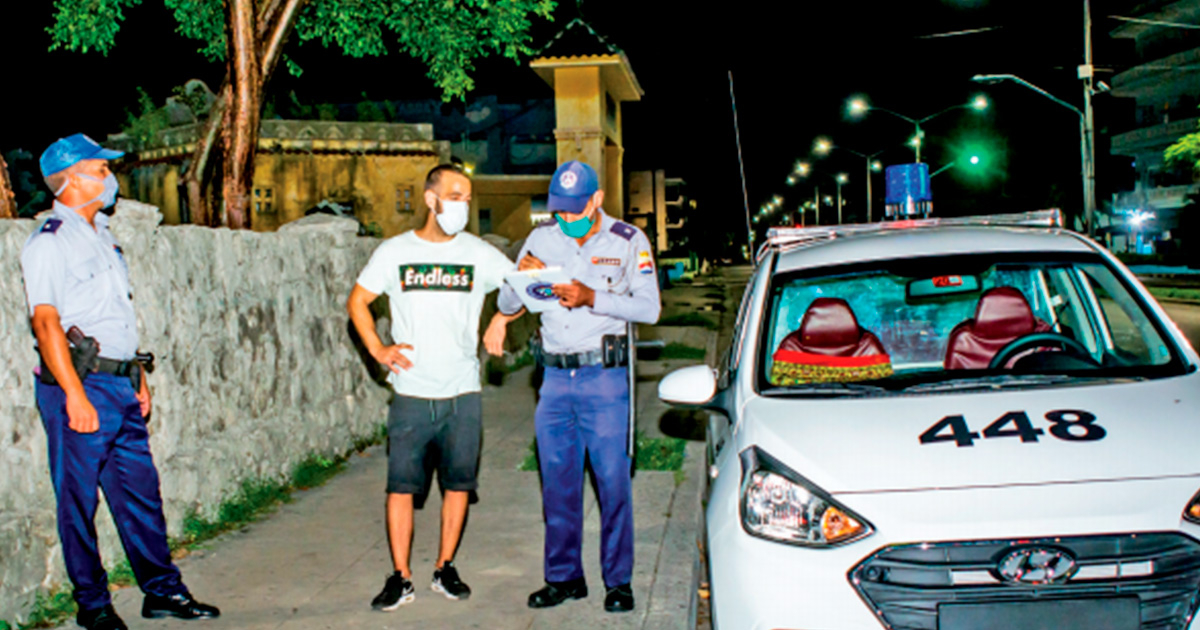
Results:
[804, 169]
[1087, 153]
[858, 107]
[823, 146]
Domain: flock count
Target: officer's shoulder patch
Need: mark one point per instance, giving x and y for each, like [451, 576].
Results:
[624, 230]
[51, 226]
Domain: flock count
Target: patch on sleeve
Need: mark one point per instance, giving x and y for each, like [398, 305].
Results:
[51, 225]
[624, 230]
[645, 263]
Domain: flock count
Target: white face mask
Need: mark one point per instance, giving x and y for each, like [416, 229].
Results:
[108, 196]
[453, 217]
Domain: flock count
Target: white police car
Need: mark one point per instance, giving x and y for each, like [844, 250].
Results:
[950, 424]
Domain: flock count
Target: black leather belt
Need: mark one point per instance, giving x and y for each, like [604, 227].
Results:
[103, 364]
[573, 361]
[112, 366]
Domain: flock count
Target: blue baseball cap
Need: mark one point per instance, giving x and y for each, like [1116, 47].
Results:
[573, 184]
[69, 151]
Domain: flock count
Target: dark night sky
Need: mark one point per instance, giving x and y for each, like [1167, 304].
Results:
[794, 64]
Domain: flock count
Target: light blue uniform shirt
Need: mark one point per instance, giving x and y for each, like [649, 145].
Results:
[616, 263]
[81, 273]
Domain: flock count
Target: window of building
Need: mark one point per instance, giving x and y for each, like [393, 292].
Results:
[404, 200]
[485, 220]
[264, 201]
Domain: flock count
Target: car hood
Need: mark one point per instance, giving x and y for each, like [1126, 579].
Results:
[1141, 430]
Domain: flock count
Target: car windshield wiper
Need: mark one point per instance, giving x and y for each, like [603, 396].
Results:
[1002, 381]
[827, 389]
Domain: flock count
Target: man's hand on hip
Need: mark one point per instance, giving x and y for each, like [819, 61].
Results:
[575, 294]
[392, 358]
[81, 415]
[493, 337]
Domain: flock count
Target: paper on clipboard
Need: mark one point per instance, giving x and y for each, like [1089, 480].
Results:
[533, 287]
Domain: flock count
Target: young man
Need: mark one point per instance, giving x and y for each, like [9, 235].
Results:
[436, 278]
[75, 277]
[584, 403]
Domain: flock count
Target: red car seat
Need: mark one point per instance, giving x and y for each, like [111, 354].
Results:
[1001, 316]
[829, 346]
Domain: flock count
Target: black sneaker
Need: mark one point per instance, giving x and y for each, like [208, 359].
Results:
[446, 582]
[397, 591]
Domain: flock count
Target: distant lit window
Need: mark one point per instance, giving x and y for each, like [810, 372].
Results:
[264, 201]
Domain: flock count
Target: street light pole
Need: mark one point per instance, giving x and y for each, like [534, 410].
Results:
[1087, 72]
[1086, 154]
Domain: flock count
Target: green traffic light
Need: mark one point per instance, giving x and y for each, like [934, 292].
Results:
[975, 159]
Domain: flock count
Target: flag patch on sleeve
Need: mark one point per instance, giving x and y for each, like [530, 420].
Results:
[645, 263]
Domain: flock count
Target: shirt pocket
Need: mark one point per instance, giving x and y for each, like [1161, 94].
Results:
[90, 273]
[614, 278]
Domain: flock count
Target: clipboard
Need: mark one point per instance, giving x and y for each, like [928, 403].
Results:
[533, 287]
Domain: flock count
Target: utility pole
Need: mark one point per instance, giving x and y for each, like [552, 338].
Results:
[1086, 73]
[817, 199]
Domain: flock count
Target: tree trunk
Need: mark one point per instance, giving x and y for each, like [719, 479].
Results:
[272, 28]
[240, 131]
[8, 201]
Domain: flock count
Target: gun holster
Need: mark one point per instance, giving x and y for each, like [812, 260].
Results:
[615, 349]
[535, 348]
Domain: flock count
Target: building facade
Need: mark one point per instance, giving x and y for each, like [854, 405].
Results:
[1166, 87]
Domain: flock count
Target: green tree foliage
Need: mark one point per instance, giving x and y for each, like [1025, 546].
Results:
[447, 35]
[144, 126]
[1185, 151]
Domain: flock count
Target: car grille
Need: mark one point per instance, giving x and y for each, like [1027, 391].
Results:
[905, 584]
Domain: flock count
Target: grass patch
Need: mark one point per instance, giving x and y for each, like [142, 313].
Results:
[49, 610]
[315, 471]
[676, 350]
[688, 319]
[665, 453]
[1176, 293]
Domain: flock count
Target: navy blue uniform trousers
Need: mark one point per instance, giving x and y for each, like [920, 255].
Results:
[116, 458]
[585, 411]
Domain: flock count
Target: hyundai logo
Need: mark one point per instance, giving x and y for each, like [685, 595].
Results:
[1036, 565]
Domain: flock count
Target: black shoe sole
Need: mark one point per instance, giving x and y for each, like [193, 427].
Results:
[573, 596]
[163, 614]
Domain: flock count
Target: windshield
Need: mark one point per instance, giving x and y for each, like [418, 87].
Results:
[958, 322]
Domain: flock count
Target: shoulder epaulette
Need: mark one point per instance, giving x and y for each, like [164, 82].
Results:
[51, 226]
[624, 230]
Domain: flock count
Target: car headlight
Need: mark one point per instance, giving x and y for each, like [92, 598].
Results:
[1191, 513]
[778, 504]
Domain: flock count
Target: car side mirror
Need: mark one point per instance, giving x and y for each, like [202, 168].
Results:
[693, 385]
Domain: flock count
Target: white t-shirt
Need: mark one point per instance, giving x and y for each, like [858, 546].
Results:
[436, 292]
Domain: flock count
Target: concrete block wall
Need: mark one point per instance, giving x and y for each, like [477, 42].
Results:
[256, 371]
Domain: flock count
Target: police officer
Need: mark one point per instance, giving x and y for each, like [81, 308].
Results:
[583, 408]
[76, 278]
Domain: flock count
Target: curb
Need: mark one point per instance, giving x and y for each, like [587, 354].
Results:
[673, 598]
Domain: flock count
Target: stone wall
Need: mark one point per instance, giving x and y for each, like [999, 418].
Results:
[256, 371]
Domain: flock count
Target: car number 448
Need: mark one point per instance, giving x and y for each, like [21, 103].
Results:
[1071, 425]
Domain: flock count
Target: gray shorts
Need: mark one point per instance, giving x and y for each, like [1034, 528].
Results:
[424, 433]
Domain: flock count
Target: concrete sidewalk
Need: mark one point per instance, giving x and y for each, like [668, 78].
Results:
[318, 561]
